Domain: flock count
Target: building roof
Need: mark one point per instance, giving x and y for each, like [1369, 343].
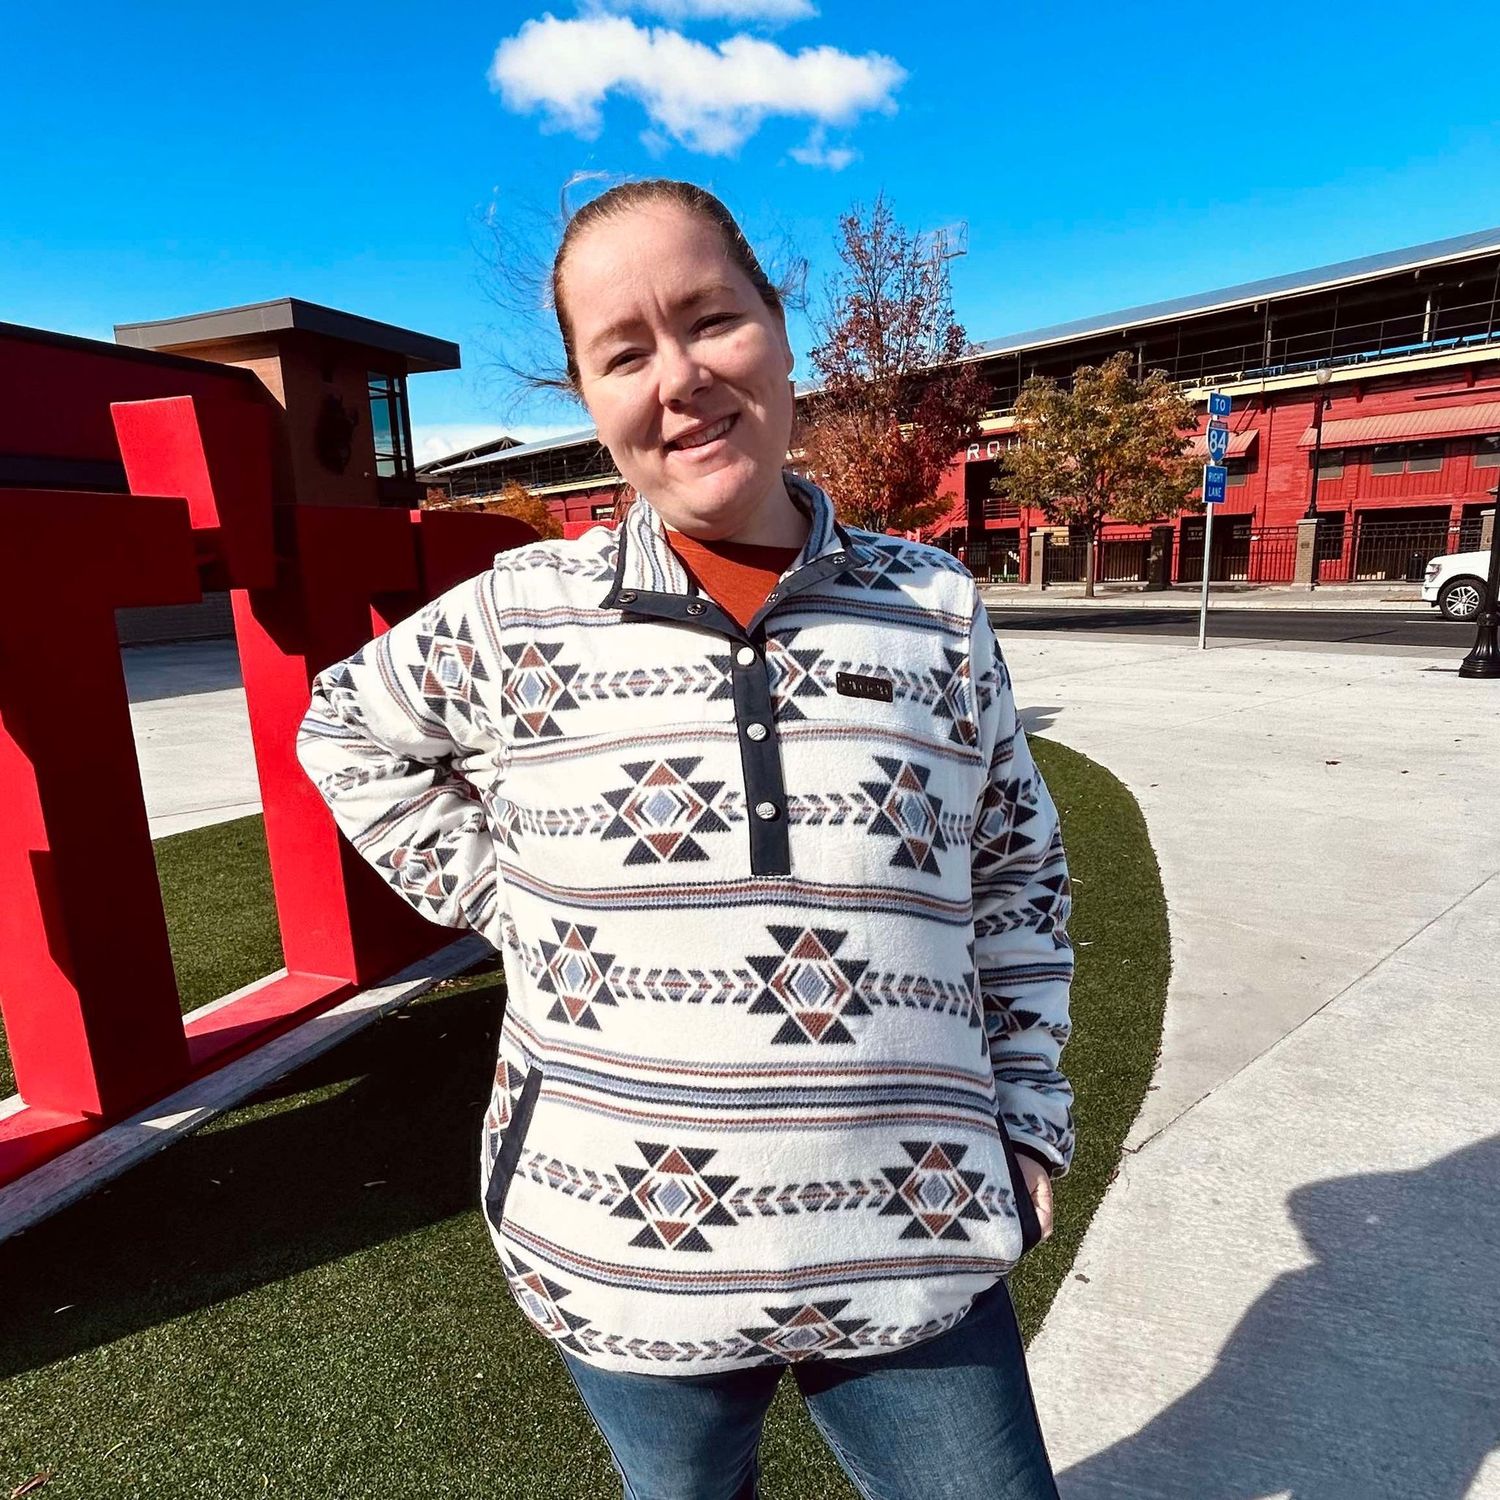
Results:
[421, 351]
[474, 450]
[525, 450]
[1319, 278]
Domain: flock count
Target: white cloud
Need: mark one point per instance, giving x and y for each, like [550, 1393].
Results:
[438, 440]
[707, 98]
[773, 12]
[813, 153]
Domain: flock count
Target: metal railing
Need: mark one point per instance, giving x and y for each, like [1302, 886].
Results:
[1230, 562]
[1273, 554]
[990, 559]
[1122, 559]
[1064, 562]
[1396, 551]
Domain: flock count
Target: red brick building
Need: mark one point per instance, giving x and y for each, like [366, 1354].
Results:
[1401, 349]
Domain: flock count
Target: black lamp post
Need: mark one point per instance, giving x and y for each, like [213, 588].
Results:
[1324, 376]
[1484, 659]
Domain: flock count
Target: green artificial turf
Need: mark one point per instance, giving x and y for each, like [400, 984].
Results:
[301, 1299]
[221, 916]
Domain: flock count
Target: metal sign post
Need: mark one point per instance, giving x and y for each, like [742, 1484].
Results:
[1215, 478]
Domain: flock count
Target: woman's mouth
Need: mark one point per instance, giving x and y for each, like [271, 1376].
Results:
[703, 437]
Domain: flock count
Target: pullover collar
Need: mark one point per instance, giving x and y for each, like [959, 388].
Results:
[651, 580]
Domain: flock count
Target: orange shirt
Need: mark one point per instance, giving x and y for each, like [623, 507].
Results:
[736, 575]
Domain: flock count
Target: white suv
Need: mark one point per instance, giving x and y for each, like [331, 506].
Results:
[1455, 584]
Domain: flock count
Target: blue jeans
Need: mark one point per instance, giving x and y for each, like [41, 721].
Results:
[951, 1418]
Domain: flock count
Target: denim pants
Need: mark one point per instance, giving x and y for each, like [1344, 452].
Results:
[951, 1418]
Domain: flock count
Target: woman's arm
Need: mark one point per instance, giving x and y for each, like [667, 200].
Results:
[1022, 900]
[380, 740]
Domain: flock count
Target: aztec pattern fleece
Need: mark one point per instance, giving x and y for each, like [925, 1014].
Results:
[782, 912]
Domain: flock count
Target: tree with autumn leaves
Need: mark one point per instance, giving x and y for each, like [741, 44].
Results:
[894, 403]
[1110, 447]
[513, 500]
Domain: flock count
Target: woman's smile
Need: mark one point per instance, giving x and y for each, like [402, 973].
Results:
[702, 442]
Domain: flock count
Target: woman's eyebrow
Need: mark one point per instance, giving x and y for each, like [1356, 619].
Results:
[623, 326]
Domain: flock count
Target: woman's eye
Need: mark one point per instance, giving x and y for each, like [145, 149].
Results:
[713, 319]
[619, 361]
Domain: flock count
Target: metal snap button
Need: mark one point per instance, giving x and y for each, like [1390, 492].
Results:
[756, 731]
[745, 656]
[627, 597]
[765, 809]
[838, 557]
[773, 596]
[696, 608]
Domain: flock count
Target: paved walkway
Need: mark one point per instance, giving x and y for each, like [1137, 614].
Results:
[192, 734]
[1291, 1288]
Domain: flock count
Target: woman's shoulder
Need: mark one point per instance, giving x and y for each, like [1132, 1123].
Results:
[586, 557]
[918, 567]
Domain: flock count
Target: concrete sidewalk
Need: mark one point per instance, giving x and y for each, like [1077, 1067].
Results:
[1289, 1291]
[1357, 598]
[192, 734]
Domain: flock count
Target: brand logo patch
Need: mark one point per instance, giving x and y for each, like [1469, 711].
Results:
[853, 685]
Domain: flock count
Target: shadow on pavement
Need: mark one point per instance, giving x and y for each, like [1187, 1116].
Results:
[1039, 718]
[180, 670]
[1373, 1374]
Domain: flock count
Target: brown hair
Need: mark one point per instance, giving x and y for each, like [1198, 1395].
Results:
[629, 195]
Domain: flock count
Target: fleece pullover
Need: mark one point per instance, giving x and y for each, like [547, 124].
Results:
[782, 911]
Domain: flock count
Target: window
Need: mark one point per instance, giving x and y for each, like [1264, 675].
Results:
[1487, 454]
[1407, 458]
[1235, 472]
[390, 424]
[1331, 464]
[602, 512]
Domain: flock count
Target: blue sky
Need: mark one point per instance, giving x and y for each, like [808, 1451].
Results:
[166, 158]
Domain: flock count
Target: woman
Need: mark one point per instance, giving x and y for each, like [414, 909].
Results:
[740, 794]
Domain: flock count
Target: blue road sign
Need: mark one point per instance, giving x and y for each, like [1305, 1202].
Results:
[1215, 477]
[1218, 406]
[1218, 442]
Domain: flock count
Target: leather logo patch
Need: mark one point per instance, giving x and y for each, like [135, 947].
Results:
[853, 685]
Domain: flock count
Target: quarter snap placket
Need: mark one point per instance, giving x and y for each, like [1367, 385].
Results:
[651, 583]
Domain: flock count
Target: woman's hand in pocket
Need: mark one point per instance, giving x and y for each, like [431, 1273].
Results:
[1039, 1185]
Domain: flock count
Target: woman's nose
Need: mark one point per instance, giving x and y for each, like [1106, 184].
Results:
[683, 375]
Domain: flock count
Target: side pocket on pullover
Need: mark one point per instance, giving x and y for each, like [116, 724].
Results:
[511, 1143]
[1031, 1225]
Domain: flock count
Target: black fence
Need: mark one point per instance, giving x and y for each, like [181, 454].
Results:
[1064, 562]
[1273, 554]
[1366, 549]
[1230, 562]
[1122, 559]
[995, 558]
[1378, 551]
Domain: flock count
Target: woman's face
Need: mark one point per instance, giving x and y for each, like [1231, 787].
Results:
[672, 344]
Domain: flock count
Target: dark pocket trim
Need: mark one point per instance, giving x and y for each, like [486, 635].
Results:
[1031, 1225]
[511, 1143]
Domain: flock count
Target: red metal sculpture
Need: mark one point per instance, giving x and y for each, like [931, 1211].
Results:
[87, 988]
